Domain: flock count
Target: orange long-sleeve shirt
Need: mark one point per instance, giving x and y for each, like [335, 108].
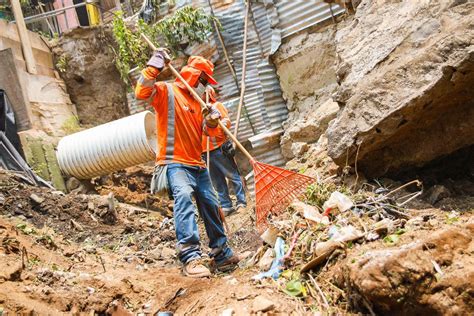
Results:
[179, 141]
[216, 135]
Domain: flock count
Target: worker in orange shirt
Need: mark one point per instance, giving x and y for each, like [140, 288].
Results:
[221, 162]
[179, 166]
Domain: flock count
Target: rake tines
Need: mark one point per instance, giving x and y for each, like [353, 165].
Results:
[275, 189]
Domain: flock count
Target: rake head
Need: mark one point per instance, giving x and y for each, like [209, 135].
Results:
[275, 189]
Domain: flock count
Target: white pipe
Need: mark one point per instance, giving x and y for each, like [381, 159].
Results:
[109, 147]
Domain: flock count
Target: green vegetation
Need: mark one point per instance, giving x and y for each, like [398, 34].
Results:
[184, 27]
[62, 63]
[71, 125]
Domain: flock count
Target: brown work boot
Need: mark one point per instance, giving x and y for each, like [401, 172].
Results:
[240, 208]
[195, 269]
[228, 264]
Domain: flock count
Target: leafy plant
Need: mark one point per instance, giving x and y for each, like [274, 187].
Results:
[295, 288]
[62, 63]
[393, 239]
[25, 229]
[131, 51]
[186, 26]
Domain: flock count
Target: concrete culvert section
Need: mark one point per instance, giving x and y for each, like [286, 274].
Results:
[109, 147]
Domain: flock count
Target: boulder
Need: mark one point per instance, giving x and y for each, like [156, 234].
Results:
[432, 275]
[308, 129]
[405, 70]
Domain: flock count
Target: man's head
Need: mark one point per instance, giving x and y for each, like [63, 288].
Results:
[206, 68]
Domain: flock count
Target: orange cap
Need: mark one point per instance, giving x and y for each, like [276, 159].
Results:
[204, 65]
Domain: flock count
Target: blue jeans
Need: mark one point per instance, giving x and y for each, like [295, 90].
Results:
[221, 167]
[185, 183]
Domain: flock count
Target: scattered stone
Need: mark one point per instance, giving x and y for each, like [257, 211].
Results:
[90, 290]
[413, 268]
[262, 304]
[266, 260]
[90, 249]
[2, 199]
[436, 193]
[58, 193]
[227, 312]
[36, 199]
[72, 184]
[168, 253]
[270, 235]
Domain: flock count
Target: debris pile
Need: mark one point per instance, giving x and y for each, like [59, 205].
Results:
[132, 186]
[315, 250]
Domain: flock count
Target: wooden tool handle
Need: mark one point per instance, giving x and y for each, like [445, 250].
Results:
[201, 102]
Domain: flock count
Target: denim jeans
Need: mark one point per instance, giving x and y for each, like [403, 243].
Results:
[221, 167]
[185, 183]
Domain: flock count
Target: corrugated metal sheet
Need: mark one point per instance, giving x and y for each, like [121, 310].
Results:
[295, 16]
[265, 106]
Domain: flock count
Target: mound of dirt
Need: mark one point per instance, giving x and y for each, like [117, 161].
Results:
[429, 273]
[132, 186]
[62, 254]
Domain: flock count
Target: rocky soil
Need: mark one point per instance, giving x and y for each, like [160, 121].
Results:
[81, 253]
[91, 78]
[72, 254]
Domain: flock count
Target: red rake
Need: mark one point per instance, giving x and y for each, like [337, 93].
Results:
[275, 188]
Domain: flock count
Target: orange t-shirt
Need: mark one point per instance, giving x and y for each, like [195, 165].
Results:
[216, 135]
[186, 137]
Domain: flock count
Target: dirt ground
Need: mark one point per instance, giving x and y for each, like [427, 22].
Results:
[96, 255]
[68, 255]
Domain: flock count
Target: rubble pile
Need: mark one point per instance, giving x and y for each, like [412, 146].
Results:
[339, 251]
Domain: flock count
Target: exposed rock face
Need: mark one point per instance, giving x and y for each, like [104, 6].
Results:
[306, 67]
[93, 82]
[406, 73]
[407, 280]
[308, 129]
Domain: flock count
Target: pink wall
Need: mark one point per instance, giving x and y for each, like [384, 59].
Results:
[72, 21]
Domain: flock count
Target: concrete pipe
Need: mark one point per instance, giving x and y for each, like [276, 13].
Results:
[109, 147]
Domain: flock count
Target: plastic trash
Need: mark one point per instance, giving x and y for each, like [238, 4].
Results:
[309, 212]
[339, 201]
[277, 265]
[344, 233]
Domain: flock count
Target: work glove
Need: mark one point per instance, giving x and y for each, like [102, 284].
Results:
[159, 59]
[211, 116]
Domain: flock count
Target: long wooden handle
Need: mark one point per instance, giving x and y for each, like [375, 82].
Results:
[201, 102]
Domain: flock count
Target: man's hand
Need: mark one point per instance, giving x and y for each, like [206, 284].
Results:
[211, 116]
[159, 59]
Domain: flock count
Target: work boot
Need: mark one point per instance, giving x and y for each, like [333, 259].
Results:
[228, 210]
[195, 269]
[227, 265]
[240, 208]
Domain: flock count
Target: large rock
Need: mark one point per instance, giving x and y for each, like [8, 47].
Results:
[308, 129]
[406, 73]
[431, 276]
[306, 69]
[92, 80]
